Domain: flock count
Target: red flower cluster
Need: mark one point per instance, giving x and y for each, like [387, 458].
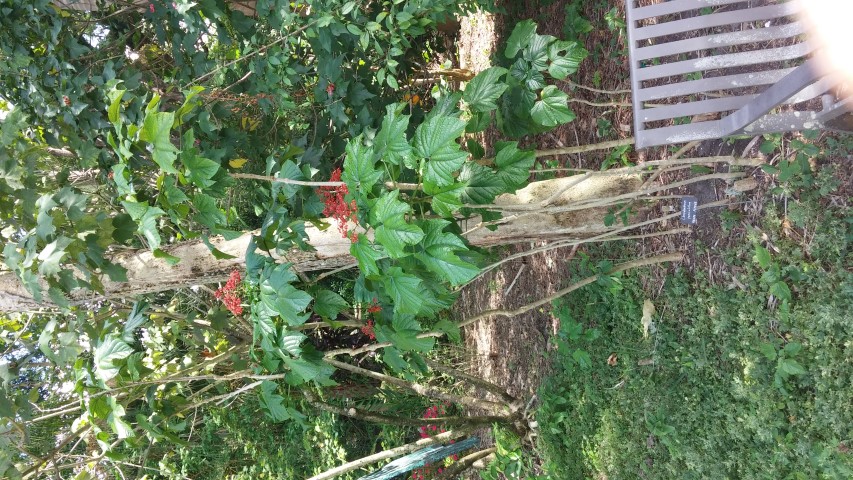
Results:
[337, 206]
[368, 330]
[374, 306]
[427, 431]
[229, 294]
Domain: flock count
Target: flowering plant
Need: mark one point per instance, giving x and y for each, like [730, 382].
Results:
[426, 431]
[230, 295]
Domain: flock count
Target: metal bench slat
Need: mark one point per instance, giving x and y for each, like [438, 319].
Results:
[714, 20]
[712, 84]
[675, 6]
[719, 40]
[714, 62]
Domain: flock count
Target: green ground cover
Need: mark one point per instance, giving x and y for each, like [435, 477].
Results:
[750, 378]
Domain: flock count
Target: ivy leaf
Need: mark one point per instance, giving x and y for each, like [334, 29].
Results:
[135, 319]
[563, 65]
[388, 208]
[391, 144]
[444, 263]
[329, 304]
[768, 350]
[520, 37]
[404, 290]
[482, 184]
[123, 227]
[359, 172]
[156, 130]
[514, 165]
[109, 351]
[553, 108]
[482, 91]
[366, 256]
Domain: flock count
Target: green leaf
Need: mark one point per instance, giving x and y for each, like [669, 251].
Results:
[123, 227]
[135, 319]
[170, 259]
[112, 349]
[278, 296]
[272, 403]
[482, 184]
[391, 144]
[563, 65]
[394, 233]
[449, 328]
[762, 257]
[781, 291]
[793, 348]
[290, 171]
[290, 342]
[482, 91]
[553, 108]
[51, 256]
[439, 254]
[520, 37]
[305, 369]
[329, 304]
[146, 220]
[768, 350]
[445, 200]
[437, 133]
[366, 256]
[404, 290]
[208, 214]
[791, 366]
[200, 170]
[514, 165]
[404, 336]
[359, 172]
[440, 168]
[582, 357]
[536, 51]
[115, 95]
[156, 130]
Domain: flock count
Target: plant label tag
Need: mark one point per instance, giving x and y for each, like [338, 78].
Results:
[688, 210]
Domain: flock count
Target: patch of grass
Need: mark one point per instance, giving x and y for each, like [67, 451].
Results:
[752, 380]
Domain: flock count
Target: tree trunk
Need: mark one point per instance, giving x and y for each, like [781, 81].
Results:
[147, 274]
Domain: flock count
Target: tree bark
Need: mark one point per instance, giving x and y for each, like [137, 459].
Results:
[147, 274]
